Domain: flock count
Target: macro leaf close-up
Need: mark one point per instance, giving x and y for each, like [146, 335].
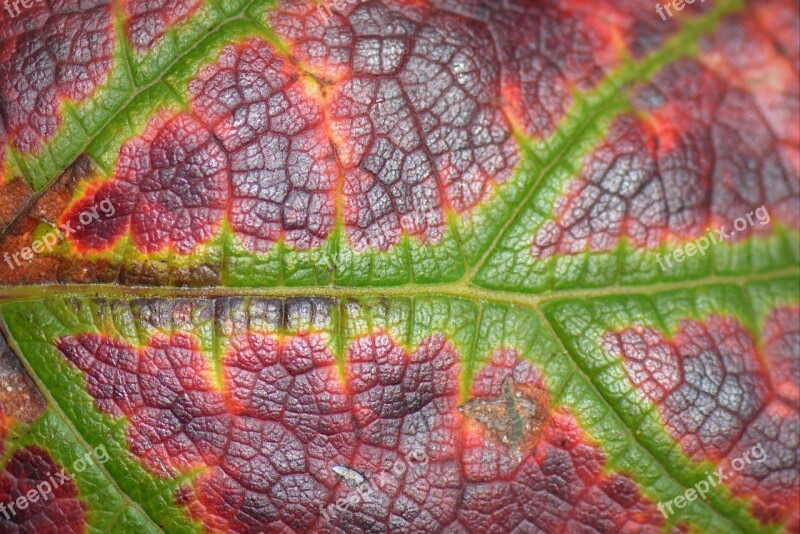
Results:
[399, 266]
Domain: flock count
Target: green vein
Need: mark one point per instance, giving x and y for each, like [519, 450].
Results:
[587, 378]
[609, 96]
[137, 89]
[56, 407]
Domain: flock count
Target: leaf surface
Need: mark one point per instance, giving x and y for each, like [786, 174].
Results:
[398, 266]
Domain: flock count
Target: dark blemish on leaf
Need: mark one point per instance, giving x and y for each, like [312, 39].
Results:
[283, 321]
[515, 417]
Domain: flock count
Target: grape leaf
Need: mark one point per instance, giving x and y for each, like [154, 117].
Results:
[399, 266]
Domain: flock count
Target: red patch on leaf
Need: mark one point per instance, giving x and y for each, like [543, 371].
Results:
[418, 98]
[719, 402]
[707, 380]
[507, 493]
[548, 50]
[283, 171]
[4, 217]
[758, 54]
[48, 55]
[685, 163]
[268, 443]
[772, 480]
[4, 424]
[178, 421]
[541, 51]
[404, 407]
[57, 507]
[781, 342]
[170, 190]
[286, 445]
[774, 483]
[420, 95]
[413, 102]
[148, 21]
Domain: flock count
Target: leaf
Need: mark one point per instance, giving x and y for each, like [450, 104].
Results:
[394, 266]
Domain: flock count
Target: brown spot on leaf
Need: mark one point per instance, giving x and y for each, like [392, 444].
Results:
[14, 196]
[515, 417]
[19, 398]
[19, 233]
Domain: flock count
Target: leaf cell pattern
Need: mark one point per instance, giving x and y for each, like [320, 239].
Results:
[493, 169]
[271, 439]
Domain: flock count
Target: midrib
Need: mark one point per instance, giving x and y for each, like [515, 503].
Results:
[454, 290]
